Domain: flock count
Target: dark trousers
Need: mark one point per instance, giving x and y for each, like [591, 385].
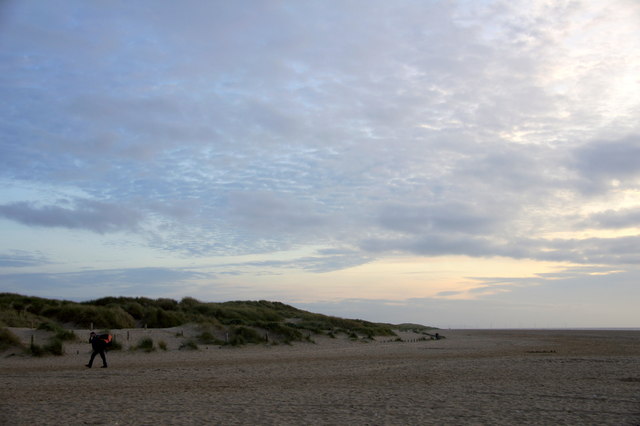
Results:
[97, 351]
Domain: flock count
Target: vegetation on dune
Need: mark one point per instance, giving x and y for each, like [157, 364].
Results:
[233, 323]
[9, 340]
[416, 328]
[54, 346]
[145, 344]
[27, 311]
[61, 333]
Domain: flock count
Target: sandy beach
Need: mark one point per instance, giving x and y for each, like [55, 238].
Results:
[471, 377]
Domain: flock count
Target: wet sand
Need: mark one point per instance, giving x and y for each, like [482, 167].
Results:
[471, 377]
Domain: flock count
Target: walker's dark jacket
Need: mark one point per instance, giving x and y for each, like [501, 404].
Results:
[98, 342]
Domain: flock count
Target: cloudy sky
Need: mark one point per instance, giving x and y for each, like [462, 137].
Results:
[451, 163]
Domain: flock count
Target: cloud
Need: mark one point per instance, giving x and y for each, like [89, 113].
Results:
[449, 293]
[272, 213]
[611, 251]
[608, 251]
[458, 217]
[149, 281]
[431, 245]
[609, 163]
[616, 219]
[22, 259]
[578, 272]
[89, 215]
[317, 264]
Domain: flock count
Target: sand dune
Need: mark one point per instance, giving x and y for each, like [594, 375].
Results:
[471, 377]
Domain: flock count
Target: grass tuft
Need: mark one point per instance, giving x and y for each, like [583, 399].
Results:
[145, 344]
[9, 340]
[189, 345]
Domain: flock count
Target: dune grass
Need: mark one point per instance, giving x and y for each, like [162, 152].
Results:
[189, 344]
[145, 344]
[53, 347]
[240, 322]
[9, 340]
[61, 333]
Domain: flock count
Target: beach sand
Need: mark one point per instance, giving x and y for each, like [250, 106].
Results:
[471, 377]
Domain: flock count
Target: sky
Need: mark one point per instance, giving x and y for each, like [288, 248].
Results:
[460, 164]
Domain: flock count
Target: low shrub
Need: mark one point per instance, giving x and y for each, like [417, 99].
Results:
[115, 345]
[54, 347]
[189, 345]
[85, 315]
[48, 326]
[283, 331]
[12, 318]
[160, 318]
[145, 344]
[242, 335]
[207, 338]
[134, 309]
[9, 340]
[66, 335]
[162, 345]
[36, 350]
[60, 332]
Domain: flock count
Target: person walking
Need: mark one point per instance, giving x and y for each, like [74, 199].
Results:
[99, 345]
